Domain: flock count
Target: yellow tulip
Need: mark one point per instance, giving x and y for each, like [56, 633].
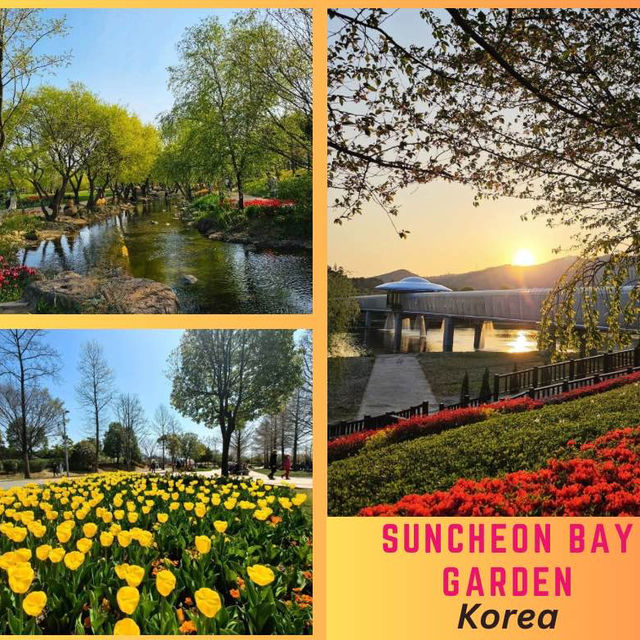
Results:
[300, 498]
[126, 627]
[128, 598]
[34, 603]
[89, 529]
[162, 517]
[84, 545]
[124, 538]
[21, 576]
[208, 602]
[134, 575]
[203, 544]
[73, 560]
[106, 539]
[56, 555]
[220, 526]
[165, 582]
[42, 552]
[260, 574]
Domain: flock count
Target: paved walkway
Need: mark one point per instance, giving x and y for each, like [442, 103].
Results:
[396, 382]
[300, 483]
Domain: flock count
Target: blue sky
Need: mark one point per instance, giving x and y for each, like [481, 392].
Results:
[138, 358]
[122, 54]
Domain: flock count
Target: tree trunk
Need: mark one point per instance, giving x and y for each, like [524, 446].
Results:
[224, 462]
[23, 410]
[240, 191]
[91, 200]
[97, 417]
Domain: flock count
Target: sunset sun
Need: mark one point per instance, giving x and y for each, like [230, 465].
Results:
[523, 258]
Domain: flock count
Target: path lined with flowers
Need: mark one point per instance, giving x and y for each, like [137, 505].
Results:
[397, 382]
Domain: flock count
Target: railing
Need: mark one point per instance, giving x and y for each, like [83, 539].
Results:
[510, 384]
[367, 423]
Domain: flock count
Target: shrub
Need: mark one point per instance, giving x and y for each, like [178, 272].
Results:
[603, 479]
[420, 426]
[503, 443]
[10, 466]
[13, 280]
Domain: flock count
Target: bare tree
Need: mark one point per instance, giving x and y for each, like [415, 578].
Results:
[26, 360]
[43, 417]
[95, 391]
[148, 445]
[130, 415]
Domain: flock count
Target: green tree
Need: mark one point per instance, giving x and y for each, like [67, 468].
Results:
[219, 87]
[464, 390]
[226, 378]
[343, 309]
[22, 34]
[113, 443]
[485, 387]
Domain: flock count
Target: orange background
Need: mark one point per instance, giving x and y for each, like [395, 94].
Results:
[359, 591]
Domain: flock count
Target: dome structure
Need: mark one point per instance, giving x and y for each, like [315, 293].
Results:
[412, 284]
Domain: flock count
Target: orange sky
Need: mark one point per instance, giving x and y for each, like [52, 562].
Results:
[448, 234]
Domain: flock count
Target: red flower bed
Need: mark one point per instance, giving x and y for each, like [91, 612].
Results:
[13, 280]
[268, 202]
[418, 426]
[603, 479]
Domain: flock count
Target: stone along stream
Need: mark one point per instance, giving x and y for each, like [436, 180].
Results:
[151, 242]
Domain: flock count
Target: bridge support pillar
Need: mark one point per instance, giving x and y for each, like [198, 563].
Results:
[447, 335]
[367, 319]
[422, 326]
[388, 322]
[478, 341]
[397, 331]
[406, 324]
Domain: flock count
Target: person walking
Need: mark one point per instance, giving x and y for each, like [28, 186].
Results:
[273, 465]
[286, 465]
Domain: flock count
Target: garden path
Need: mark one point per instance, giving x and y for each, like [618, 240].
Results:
[397, 382]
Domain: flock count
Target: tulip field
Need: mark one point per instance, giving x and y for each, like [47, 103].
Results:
[140, 554]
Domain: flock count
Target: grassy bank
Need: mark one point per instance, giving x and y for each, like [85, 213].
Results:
[499, 445]
[348, 379]
[445, 371]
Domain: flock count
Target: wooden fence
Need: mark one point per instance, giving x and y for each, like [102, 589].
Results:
[594, 369]
[511, 384]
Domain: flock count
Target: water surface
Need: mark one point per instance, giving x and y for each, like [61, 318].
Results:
[151, 242]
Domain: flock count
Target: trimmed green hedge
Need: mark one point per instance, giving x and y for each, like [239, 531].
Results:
[499, 445]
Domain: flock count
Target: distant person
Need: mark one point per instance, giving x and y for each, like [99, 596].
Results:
[286, 465]
[153, 466]
[273, 465]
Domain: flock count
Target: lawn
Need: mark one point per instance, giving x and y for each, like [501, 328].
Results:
[445, 371]
[348, 379]
[499, 445]
[279, 472]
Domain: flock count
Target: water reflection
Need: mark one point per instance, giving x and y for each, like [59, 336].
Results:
[494, 338]
[152, 243]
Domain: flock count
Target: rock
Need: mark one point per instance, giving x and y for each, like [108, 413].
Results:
[125, 294]
[68, 291]
[153, 221]
[189, 279]
[70, 210]
[71, 292]
[15, 307]
[250, 247]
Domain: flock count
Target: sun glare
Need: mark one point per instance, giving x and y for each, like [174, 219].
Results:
[523, 258]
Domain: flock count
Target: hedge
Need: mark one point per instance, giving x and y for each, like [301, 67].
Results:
[603, 479]
[498, 445]
[420, 426]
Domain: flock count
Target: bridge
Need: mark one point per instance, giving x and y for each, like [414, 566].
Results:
[516, 306]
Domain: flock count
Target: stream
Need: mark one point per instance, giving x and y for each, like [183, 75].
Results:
[151, 242]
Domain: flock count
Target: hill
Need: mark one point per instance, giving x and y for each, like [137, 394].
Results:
[506, 276]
